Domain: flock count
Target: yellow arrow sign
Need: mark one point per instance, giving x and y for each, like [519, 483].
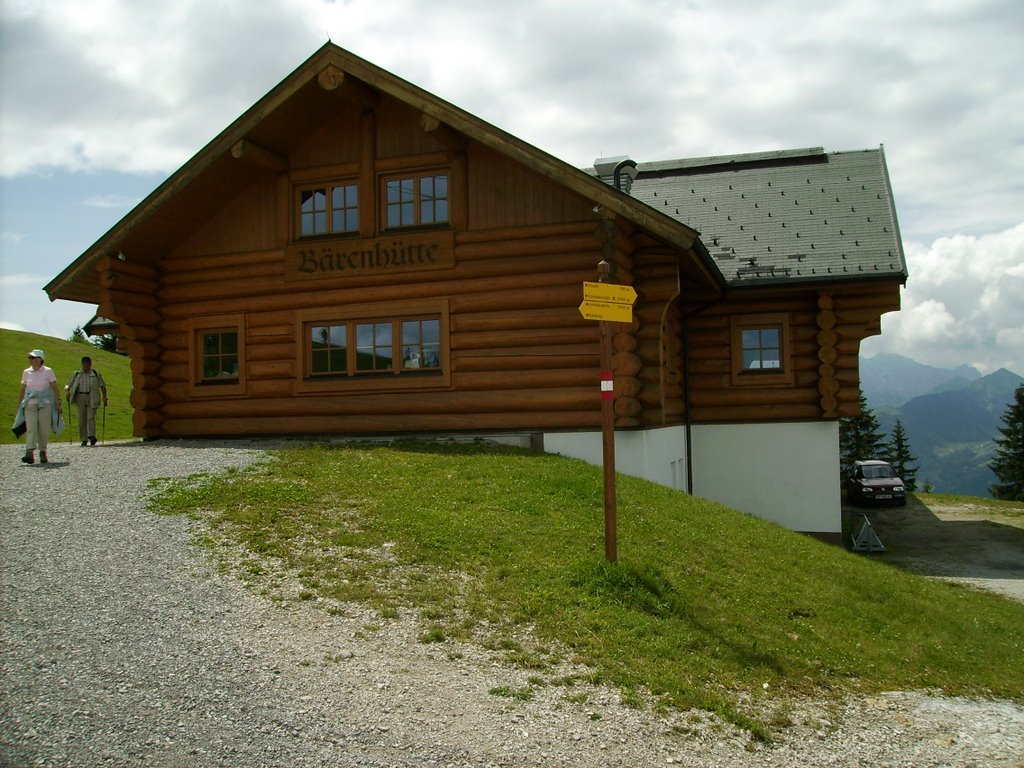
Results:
[609, 292]
[606, 310]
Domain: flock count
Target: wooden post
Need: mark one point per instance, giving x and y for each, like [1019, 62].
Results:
[608, 428]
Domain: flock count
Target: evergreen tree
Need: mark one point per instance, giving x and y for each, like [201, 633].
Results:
[1008, 464]
[106, 341]
[859, 438]
[898, 454]
[79, 336]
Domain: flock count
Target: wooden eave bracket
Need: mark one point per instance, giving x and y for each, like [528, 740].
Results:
[448, 137]
[333, 79]
[248, 152]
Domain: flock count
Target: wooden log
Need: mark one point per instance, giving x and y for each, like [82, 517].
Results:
[523, 233]
[129, 284]
[146, 399]
[261, 157]
[276, 369]
[557, 351]
[382, 424]
[145, 421]
[177, 356]
[516, 339]
[127, 267]
[257, 388]
[410, 404]
[270, 322]
[127, 315]
[626, 364]
[215, 273]
[175, 371]
[347, 88]
[467, 364]
[259, 353]
[627, 407]
[184, 268]
[527, 378]
[539, 246]
[545, 317]
[627, 386]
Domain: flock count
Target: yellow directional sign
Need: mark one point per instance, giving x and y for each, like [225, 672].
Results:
[609, 292]
[606, 310]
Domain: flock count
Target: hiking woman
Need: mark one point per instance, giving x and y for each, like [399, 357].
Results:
[39, 405]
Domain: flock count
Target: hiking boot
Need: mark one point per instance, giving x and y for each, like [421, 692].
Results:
[85, 443]
[28, 458]
[92, 441]
[42, 457]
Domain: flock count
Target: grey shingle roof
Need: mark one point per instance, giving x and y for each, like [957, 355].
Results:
[791, 216]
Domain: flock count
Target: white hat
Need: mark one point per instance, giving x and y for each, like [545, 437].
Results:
[37, 353]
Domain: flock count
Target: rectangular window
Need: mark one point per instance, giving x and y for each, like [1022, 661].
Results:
[414, 342]
[329, 209]
[760, 350]
[329, 349]
[409, 346]
[416, 201]
[217, 356]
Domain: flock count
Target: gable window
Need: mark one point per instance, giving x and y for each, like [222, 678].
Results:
[760, 349]
[418, 200]
[217, 355]
[406, 345]
[329, 209]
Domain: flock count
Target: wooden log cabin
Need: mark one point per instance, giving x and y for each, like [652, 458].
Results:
[354, 256]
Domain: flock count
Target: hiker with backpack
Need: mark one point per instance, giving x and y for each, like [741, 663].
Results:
[85, 389]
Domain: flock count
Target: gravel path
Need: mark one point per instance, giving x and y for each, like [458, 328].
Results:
[122, 645]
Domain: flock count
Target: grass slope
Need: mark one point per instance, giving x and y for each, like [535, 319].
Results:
[64, 357]
[706, 607]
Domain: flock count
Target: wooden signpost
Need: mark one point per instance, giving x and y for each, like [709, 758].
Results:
[608, 303]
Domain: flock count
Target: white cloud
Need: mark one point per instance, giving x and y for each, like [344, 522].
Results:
[962, 304]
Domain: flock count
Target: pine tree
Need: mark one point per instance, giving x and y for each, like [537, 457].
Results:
[1008, 464]
[898, 454]
[859, 438]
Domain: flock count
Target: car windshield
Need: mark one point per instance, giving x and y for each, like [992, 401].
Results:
[874, 473]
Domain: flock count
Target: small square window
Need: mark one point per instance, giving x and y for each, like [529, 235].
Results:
[760, 353]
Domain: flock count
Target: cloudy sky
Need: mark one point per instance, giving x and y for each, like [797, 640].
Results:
[100, 101]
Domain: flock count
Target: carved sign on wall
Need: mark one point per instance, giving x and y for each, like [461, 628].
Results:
[390, 255]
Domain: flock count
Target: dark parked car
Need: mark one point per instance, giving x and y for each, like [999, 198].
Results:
[875, 482]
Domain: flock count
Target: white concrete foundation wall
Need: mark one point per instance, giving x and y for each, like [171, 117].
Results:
[786, 473]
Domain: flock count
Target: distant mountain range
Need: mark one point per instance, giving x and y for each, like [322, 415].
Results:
[951, 417]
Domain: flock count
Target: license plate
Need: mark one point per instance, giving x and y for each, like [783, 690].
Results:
[884, 496]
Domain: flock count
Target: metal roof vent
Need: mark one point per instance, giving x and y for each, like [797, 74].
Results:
[618, 172]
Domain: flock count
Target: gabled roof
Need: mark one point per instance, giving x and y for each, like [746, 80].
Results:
[796, 216]
[281, 119]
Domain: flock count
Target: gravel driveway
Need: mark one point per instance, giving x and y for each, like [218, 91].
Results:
[122, 645]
